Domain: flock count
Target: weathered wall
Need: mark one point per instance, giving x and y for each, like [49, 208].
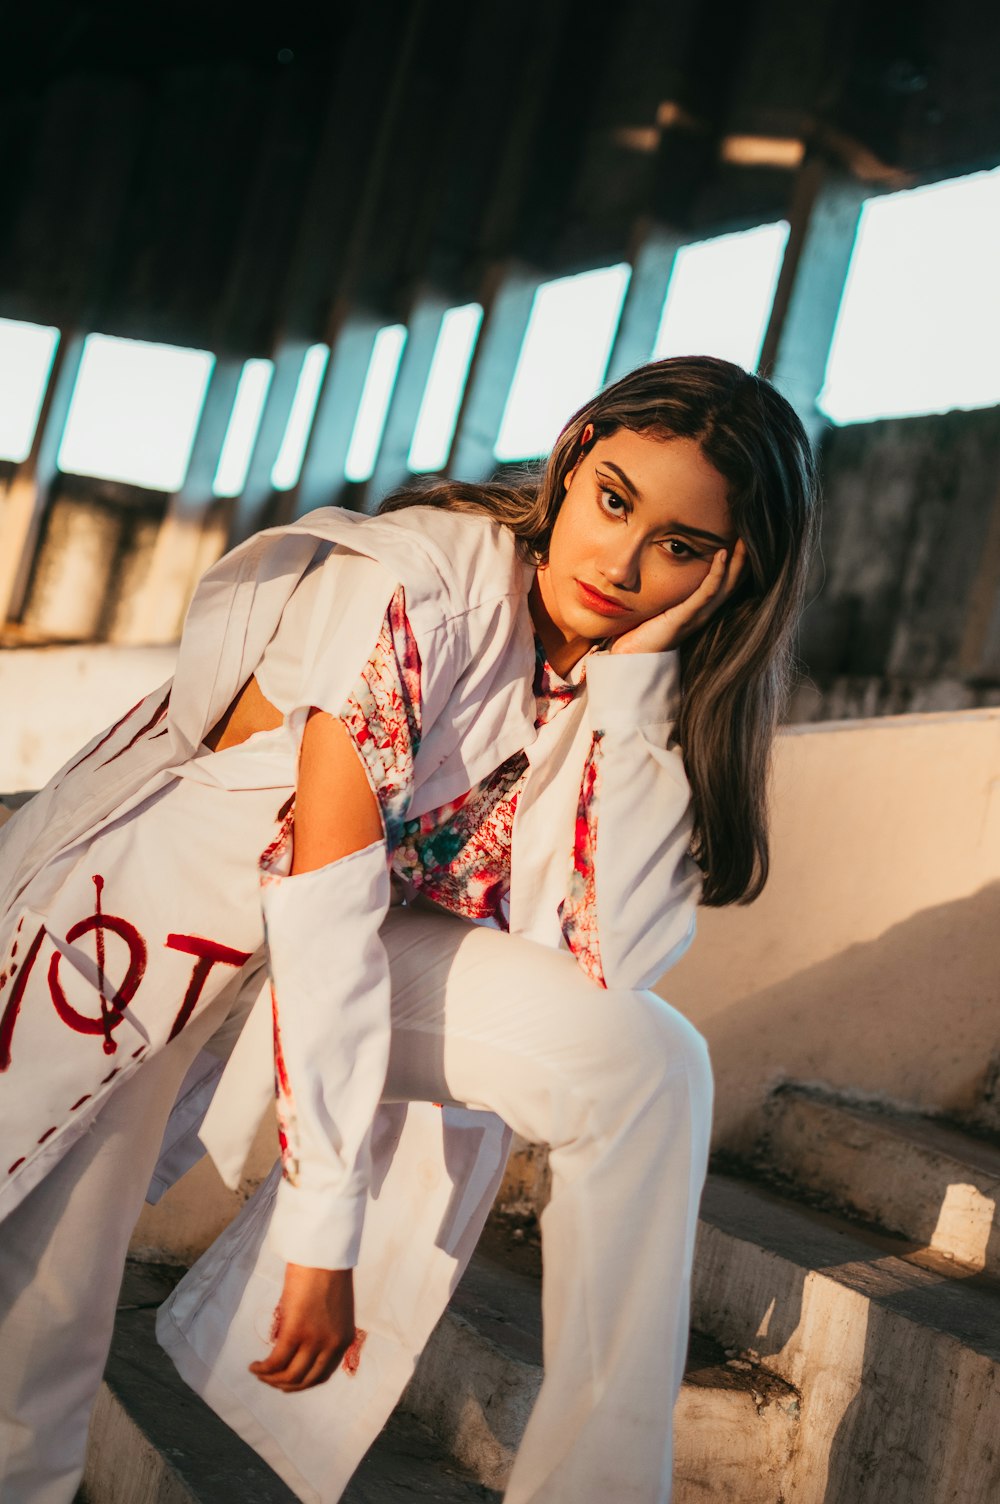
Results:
[870, 962]
[905, 613]
[55, 699]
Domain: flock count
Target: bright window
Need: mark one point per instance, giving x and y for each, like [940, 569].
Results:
[919, 324]
[720, 296]
[288, 465]
[134, 412]
[435, 427]
[383, 368]
[244, 423]
[26, 355]
[563, 358]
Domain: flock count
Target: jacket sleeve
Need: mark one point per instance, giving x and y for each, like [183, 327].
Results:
[330, 978]
[629, 912]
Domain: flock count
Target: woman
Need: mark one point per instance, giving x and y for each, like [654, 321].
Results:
[548, 709]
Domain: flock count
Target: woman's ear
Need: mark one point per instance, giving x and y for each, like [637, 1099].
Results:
[583, 444]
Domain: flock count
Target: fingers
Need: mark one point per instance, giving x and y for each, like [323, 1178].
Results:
[735, 566]
[712, 590]
[292, 1367]
[724, 574]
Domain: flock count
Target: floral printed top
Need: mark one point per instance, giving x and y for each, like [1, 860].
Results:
[458, 856]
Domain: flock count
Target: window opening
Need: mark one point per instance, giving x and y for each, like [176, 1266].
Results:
[918, 329]
[244, 425]
[563, 358]
[288, 466]
[366, 436]
[720, 296]
[26, 355]
[449, 372]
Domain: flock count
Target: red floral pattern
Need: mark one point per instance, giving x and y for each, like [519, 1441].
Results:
[284, 1104]
[459, 854]
[383, 716]
[578, 910]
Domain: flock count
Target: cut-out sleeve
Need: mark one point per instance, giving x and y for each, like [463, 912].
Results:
[330, 976]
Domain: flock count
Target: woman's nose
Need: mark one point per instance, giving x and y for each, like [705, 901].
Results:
[620, 566]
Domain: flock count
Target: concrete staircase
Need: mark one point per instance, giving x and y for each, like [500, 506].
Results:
[846, 1343]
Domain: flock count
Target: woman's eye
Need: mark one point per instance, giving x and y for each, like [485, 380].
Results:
[612, 503]
[678, 549]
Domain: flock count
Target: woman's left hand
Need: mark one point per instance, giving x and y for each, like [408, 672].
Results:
[670, 627]
[314, 1328]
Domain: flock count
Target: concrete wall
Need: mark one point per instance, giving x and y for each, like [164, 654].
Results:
[905, 593]
[871, 961]
[55, 699]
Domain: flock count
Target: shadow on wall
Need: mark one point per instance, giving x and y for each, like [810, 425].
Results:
[912, 1016]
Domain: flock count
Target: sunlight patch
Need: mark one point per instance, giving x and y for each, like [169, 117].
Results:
[134, 412]
[919, 323]
[720, 296]
[563, 359]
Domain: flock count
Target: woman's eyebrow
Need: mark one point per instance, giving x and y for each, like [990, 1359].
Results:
[610, 465]
[673, 527]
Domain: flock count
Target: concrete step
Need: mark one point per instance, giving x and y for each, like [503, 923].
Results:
[897, 1363]
[923, 1179]
[527, 1182]
[735, 1424]
[153, 1441]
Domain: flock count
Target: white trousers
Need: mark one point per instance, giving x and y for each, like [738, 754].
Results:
[616, 1082]
[62, 1253]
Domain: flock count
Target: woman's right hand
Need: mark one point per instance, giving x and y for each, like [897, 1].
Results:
[667, 630]
[314, 1328]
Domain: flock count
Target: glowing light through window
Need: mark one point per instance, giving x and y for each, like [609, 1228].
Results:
[435, 427]
[720, 296]
[919, 324]
[288, 465]
[563, 358]
[26, 355]
[383, 368]
[244, 423]
[134, 412]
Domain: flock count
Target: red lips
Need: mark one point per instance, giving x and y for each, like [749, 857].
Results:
[602, 604]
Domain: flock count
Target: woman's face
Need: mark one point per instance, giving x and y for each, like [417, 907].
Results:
[640, 522]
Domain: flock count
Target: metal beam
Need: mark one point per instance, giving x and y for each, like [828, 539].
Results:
[797, 345]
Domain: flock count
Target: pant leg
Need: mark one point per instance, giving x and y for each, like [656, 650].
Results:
[618, 1084]
[62, 1252]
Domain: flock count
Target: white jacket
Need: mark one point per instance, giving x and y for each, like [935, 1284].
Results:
[466, 593]
[466, 597]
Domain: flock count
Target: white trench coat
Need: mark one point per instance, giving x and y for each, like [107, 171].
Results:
[434, 1172]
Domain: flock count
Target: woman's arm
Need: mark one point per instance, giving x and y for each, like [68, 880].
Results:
[336, 811]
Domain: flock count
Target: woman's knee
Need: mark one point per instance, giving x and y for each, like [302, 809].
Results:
[635, 1049]
[680, 1041]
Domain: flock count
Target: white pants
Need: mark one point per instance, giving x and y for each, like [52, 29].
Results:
[616, 1082]
[62, 1253]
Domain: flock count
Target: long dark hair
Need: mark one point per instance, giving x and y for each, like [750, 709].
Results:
[736, 671]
